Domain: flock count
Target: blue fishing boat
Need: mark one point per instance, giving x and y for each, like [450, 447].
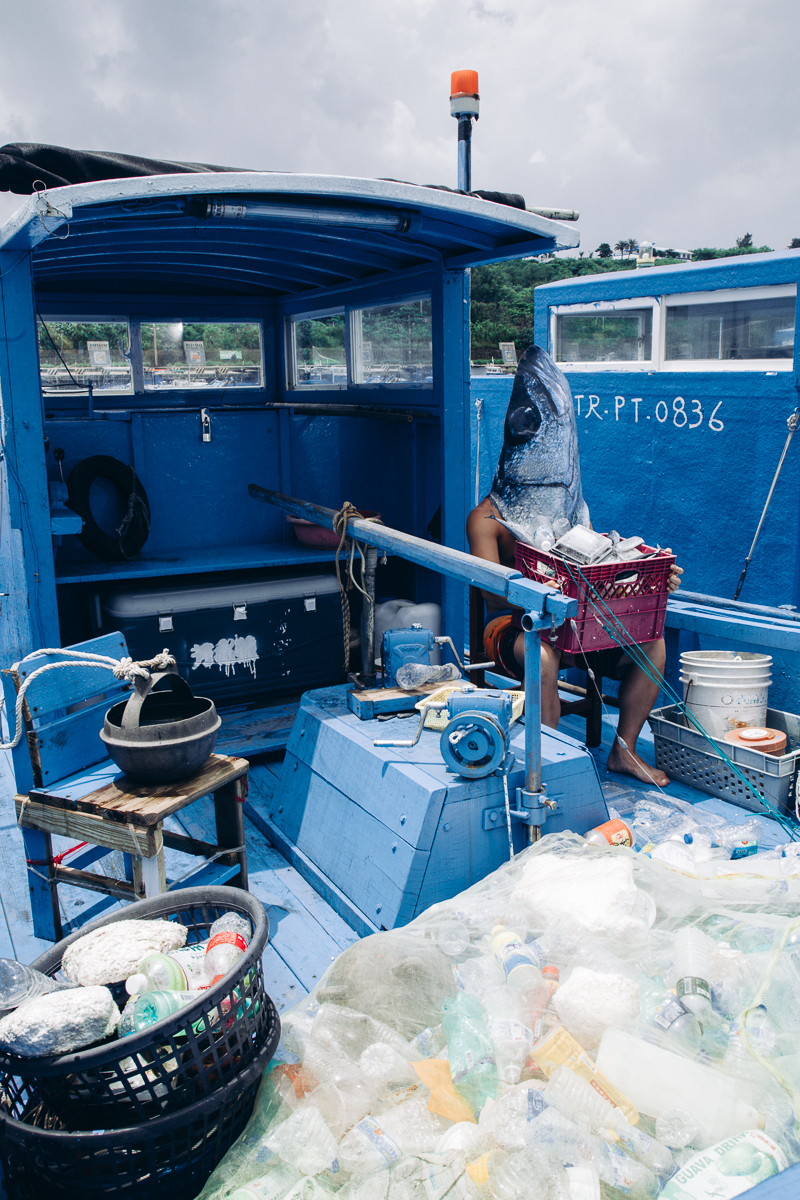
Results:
[180, 347]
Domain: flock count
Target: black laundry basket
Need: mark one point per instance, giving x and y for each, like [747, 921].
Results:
[171, 1064]
[169, 1158]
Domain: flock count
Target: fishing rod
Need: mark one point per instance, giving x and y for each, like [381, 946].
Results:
[792, 422]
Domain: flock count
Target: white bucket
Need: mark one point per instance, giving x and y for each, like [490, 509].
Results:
[726, 690]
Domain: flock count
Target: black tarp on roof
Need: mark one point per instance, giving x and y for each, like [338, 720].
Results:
[23, 164]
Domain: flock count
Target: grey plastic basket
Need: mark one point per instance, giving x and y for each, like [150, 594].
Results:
[685, 754]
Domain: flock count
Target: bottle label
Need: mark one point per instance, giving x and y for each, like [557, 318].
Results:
[380, 1140]
[622, 1177]
[744, 850]
[668, 1012]
[536, 1103]
[511, 1031]
[470, 1063]
[692, 985]
[226, 939]
[515, 959]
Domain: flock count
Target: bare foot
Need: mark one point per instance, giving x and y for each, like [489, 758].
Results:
[629, 763]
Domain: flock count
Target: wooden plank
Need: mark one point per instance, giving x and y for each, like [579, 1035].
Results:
[313, 875]
[71, 743]
[371, 702]
[208, 875]
[87, 827]
[96, 883]
[190, 845]
[258, 731]
[304, 931]
[126, 800]
[281, 984]
[72, 684]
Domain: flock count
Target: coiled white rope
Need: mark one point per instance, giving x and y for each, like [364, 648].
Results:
[126, 669]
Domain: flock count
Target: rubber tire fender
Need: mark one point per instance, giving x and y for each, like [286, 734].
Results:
[79, 487]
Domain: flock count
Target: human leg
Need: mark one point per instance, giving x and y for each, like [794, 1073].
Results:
[551, 662]
[637, 695]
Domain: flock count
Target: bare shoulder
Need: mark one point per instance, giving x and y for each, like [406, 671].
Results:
[483, 533]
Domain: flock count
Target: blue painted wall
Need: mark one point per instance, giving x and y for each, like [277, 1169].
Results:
[661, 468]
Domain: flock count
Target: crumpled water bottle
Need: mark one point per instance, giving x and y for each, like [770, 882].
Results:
[470, 1049]
[19, 983]
[415, 675]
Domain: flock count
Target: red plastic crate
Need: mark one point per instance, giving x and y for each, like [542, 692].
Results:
[640, 604]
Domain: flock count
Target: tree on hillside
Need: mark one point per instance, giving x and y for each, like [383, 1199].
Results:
[622, 246]
[794, 244]
[744, 243]
[604, 250]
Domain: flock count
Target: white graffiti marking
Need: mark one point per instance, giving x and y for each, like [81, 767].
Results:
[227, 654]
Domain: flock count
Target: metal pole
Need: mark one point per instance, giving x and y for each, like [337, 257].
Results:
[464, 152]
[533, 716]
[368, 613]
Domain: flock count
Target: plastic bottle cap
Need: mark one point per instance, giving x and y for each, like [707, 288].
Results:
[136, 984]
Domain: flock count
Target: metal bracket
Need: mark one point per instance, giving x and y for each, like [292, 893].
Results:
[533, 808]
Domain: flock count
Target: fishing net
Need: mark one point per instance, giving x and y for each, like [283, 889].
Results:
[581, 1023]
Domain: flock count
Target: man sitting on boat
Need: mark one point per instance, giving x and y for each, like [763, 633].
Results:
[537, 494]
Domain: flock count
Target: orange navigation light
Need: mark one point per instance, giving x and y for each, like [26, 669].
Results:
[464, 98]
[464, 83]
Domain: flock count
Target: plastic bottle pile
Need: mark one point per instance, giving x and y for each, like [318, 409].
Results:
[164, 983]
[588, 1021]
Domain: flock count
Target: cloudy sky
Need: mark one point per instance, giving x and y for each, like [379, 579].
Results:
[674, 121]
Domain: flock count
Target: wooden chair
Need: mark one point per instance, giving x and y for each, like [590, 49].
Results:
[589, 705]
[66, 785]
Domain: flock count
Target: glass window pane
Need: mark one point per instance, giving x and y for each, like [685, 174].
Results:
[201, 354]
[622, 336]
[392, 343]
[74, 354]
[319, 351]
[732, 329]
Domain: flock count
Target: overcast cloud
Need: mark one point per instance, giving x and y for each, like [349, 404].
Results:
[674, 121]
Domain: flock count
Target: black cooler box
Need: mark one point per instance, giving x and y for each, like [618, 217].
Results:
[238, 641]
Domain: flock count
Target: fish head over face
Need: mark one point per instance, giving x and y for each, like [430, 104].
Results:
[539, 472]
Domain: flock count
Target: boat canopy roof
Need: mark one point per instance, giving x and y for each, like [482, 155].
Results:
[262, 234]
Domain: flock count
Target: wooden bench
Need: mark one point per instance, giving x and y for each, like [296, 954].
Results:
[67, 786]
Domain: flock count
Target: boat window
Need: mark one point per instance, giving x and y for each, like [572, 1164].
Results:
[201, 354]
[392, 344]
[731, 331]
[318, 351]
[76, 354]
[623, 336]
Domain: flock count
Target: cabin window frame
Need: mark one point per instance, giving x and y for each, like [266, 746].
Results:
[660, 306]
[351, 311]
[599, 308]
[726, 296]
[82, 308]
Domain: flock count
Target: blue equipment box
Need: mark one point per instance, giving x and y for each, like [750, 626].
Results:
[408, 833]
[237, 641]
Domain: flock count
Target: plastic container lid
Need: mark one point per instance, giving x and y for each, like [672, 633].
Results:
[768, 741]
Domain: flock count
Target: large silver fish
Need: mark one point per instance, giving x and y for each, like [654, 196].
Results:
[539, 472]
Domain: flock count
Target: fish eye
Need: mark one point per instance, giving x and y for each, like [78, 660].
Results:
[524, 421]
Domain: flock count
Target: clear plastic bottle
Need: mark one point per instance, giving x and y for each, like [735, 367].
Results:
[367, 1147]
[125, 1023]
[470, 1049]
[578, 1100]
[414, 675]
[19, 982]
[693, 970]
[622, 1171]
[276, 1181]
[226, 946]
[512, 1037]
[518, 960]
[157, 972]
[343, 1030]
[662, 1010]
[151, 1007]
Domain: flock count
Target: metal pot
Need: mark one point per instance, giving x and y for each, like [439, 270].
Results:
[161, 737]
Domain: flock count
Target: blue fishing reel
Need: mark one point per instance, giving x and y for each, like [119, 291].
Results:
[475, 741]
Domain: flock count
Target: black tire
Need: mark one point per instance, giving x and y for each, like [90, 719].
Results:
[132, 495]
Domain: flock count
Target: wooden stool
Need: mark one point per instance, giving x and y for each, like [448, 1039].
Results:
[75, 791]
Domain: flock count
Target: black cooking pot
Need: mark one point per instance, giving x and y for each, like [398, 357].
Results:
[161, 736]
